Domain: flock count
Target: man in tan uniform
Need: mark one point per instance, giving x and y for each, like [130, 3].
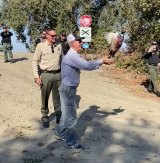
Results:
[46, 69]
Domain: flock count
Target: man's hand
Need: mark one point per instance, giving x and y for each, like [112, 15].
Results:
[158, 64]
[107, 60]
[150, 49]
[38, 81]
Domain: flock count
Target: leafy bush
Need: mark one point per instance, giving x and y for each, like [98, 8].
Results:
[131, 63]
[99, 40]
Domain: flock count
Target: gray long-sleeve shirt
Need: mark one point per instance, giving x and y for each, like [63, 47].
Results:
[71, 65]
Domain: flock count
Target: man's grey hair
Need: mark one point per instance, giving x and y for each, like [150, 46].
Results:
[70, 43]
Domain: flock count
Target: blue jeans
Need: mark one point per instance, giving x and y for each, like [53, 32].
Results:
[68, 119]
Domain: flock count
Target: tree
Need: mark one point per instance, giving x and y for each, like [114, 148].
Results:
[143, 20]
[34, 15]
[140, 16]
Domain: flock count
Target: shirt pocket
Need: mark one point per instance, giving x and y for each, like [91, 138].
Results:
[45, 53]
[58, 50]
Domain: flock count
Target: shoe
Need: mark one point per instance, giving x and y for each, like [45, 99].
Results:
[46, 124]
[6, 61]
[157, 93]
[58, 120]
[12, 61]
[58, 137]
[58, 116]
[150, 90]
[75, 146]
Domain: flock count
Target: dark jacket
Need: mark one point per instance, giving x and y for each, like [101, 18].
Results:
[65, 46]
[151, 57]
[6, 37]
[37, 41]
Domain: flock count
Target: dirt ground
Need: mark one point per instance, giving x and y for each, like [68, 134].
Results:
[118, 120]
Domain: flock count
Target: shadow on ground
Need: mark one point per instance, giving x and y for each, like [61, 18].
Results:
[103, 143]
[20, 59]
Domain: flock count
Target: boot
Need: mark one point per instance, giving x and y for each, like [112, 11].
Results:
[157, 93]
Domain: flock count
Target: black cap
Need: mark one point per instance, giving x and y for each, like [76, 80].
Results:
[63, 34]
[4, 27]
[154, 43]
[77, 38]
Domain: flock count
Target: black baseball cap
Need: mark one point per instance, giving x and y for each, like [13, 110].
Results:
[63, 34]
[154, 43]
[4, 27]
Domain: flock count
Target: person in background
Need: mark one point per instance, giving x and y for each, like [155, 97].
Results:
[7, 47]
[40, 38]
[71, 65]
[63, 41]
[125, 47]
[46, 68]
[153, 62]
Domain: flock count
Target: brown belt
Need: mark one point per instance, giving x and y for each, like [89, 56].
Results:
[52, 72]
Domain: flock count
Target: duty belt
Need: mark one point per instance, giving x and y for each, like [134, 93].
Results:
[52, 71]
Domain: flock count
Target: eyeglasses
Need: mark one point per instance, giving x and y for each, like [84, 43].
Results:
[52, 47]
[52, 35]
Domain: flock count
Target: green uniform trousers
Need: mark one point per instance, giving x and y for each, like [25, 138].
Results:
[7, 49]
[50, 83]
[153, 71]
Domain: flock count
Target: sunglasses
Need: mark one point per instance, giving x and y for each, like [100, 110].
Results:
[52, 35]
[52, 47]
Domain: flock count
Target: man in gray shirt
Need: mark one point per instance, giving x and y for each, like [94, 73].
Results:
[46, 69]
[71, 65]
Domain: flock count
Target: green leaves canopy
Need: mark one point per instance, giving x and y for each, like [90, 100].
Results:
[142, 17]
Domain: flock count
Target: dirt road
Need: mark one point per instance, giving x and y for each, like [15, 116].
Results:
[115, 126]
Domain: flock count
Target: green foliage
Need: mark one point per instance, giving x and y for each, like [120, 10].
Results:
[35, 15]
[38, 14]
[131, 63]
[143, 20]
[141, 17]
[99, 40]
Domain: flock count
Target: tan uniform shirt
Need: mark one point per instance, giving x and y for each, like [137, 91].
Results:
[44, 59]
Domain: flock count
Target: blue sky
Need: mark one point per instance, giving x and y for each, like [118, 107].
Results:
[17, 46]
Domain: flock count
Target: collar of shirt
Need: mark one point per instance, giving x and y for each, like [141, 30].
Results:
[46, 42]
[50, 46]
[73, 51]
